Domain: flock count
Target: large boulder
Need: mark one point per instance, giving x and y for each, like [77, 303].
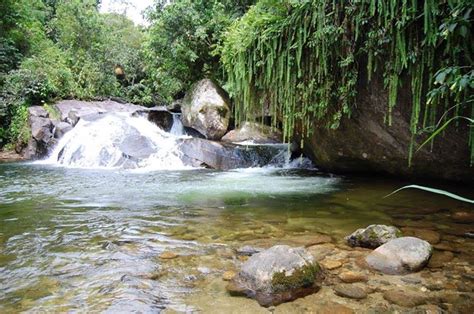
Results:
[365, 143]
[255, 132]
[373, 236]
[206, 108]
[42, 138]
[277, 275]
[224, 156]
[400, 256]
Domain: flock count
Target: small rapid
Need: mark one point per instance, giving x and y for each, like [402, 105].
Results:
[118, 140]
[125, 141]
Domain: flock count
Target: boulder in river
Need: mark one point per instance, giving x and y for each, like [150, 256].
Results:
[224, 156]
[400, 256]
[206, 108]
[276, 275]
[42, 138]
[255, 132]
[373, 236]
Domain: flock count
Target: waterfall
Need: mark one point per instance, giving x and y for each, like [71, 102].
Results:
[177, 128]
[121, 140]
[117, 140]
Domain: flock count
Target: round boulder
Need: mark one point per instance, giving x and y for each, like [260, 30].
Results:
[277, 275]
[373, 236]
[205, 108]
[400, 256]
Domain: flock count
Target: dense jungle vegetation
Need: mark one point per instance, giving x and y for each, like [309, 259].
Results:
[301, 60]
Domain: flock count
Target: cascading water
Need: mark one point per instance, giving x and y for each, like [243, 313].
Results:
[117, 140]
[121, 140]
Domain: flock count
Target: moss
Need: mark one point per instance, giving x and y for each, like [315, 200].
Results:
[301, 277]
[398, 234]
[53, 111]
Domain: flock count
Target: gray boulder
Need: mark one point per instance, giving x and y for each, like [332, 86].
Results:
[206, 108]
[252, 131]
[42, 139]
[277, 275]
[61, 128]
[224, 156]
[400, 256]
[373, 236]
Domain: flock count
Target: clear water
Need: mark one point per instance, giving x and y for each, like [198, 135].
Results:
[89, 240]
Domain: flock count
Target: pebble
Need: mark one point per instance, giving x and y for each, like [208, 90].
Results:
[404, 298]
[228, 275]
[350, 291]
[331, 264]
[440, 258]
[351, 277]
[411, 280]
[334, 308]
[431, 236]
[463, 217]
[168, 255]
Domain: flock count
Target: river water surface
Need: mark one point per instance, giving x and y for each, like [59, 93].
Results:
[90, 240]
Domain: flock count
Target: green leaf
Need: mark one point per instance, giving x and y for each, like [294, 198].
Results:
[436, 191]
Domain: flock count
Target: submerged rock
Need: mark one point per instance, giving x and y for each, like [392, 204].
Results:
[255, 132]
[405, 298]
[277, 275]
[206, 108]
[400, 256]
[373, 236]
[248, 250]
[351, 291]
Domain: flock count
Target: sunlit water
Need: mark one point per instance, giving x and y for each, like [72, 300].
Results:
[89, 240]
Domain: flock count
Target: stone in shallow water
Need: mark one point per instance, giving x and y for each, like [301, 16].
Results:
[400, 256]
[350, 291]
[405, 298]
[431, 236]
[440, 258]
[334, 308]
[331, 264]
[277, 275]
[248, 250]
[168, 255]
[350, 277]
[373, 236]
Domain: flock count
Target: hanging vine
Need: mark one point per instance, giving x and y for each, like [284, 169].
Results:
[302, 59]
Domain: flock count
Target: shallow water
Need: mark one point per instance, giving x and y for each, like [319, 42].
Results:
[90, 240]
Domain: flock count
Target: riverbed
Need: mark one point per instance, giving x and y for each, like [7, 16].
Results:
[90, 240]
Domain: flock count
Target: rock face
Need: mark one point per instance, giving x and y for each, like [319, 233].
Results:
[206, 108]
[365, 143]
[277, 275]
[42, 134]
[252, 131]
[373, 236]
[400, 256]
[224, 156]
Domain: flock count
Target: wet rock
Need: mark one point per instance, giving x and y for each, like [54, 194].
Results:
[248, 250]
[255, 132]
[405, 298]
[431, 236]
[61, 128]
[168, 255]
[42, 140]
[464, 217]
[38, 111]
[331, 264]
[206, 108]
[351, 277]
[334, 308]
[224, 156]
[228, 275]
[175, 106]
[411, 280]
[373, 236]
[440, 258]
[277, 275]
[400, 256]
[159, 116]
[351, 291]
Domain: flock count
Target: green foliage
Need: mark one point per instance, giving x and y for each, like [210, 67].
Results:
[304, 58]
[18, 131]
[436, 191]
[183, 39]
